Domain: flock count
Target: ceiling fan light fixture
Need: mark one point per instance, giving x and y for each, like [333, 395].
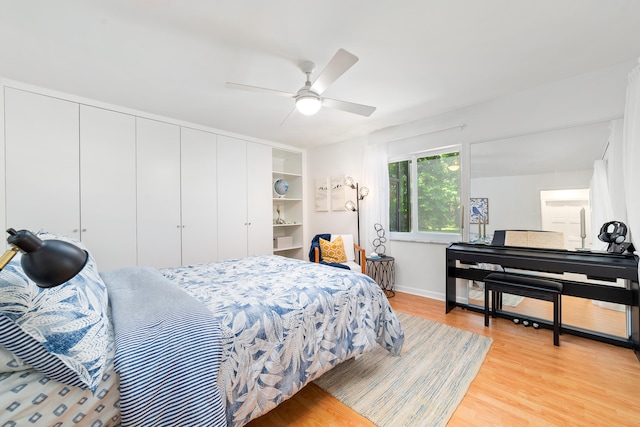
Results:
[308, 104]
[308, 99]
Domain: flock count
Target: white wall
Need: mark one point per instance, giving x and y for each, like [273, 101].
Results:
[420, 267]
[342, 159]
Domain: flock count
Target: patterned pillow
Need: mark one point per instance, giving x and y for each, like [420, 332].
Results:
[65, 331]
[333, 251]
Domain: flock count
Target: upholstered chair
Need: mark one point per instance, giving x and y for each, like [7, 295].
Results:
[354, 254]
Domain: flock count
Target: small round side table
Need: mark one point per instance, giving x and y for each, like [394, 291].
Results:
[382, 271]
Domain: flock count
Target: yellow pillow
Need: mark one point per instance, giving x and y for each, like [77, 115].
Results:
[333, 251]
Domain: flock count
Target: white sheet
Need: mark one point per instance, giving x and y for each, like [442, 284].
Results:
[28, 398]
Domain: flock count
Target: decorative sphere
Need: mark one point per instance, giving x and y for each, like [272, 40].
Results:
[281, 187]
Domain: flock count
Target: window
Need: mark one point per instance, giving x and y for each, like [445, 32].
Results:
[399, 199]
[424, 194]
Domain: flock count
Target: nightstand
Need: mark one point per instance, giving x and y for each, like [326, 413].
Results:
[382, 271]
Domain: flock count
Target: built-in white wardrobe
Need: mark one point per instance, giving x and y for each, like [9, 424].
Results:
[198, 196]
[71, 180]
[244, 194]
[107, 186]
[177, 194]
[135, 190]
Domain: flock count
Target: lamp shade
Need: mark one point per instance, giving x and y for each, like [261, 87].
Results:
[350, 206]
[349, 182]
[455, 165]
[308, 104]
[49, 263]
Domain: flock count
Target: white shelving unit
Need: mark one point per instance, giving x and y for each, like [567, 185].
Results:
[288, 231]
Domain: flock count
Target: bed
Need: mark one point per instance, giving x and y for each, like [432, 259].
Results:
[270, 325]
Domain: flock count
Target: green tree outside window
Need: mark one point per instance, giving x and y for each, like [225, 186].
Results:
[437, 181]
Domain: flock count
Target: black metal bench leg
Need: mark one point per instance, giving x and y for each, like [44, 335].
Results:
[560, 314]
[486, 305]
[556, 319]
[495, 297]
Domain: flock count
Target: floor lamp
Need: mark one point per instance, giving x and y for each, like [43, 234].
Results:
[361, 193]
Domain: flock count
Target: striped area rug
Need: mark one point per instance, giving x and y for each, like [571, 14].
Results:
[422, 387]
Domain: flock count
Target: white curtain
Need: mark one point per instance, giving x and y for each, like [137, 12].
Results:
[607, 186]
[631, 155]
[615, 175]
[601, 209]
[375, 207]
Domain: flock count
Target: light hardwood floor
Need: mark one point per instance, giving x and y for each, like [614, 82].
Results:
[524, 381]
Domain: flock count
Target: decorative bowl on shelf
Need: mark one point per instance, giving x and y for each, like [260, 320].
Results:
[280, 187]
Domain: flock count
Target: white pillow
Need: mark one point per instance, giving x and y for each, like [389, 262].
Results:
[347, 240]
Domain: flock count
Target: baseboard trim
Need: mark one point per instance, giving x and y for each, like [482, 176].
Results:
[439, 296]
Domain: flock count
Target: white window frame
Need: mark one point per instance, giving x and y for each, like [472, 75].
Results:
[428, 236]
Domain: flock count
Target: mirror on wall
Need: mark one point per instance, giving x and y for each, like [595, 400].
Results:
[540, 181]
[508, 178]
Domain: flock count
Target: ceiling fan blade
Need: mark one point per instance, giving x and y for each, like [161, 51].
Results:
[338, 65]
[288, 115]
[363, 110]
[259, 89]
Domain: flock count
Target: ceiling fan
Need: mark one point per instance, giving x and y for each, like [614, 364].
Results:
[309, 99]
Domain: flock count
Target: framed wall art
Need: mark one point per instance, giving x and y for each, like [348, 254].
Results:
[322, 194]
[479, 210]
[338, 197]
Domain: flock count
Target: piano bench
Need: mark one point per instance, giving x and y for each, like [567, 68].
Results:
[526, 286]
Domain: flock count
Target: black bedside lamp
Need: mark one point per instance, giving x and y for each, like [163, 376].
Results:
[48, 263]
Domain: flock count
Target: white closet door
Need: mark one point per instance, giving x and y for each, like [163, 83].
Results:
[199, 200]
[158, 186]
[42, 163]
[232, 198]
[108, 186]
[260, 199]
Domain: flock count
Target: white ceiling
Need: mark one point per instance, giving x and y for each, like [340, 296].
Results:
[555, 151]
[417, 58]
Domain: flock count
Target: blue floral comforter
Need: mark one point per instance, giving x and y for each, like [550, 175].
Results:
[284, 323]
